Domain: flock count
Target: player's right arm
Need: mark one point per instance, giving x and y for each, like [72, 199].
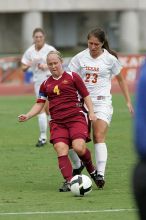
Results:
[74, 65]
[25, 67]
[26, 60]
[36, 109]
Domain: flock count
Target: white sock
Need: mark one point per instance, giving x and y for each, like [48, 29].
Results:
[101, 157]
[76, 162]
[49, 118]
[43, 125]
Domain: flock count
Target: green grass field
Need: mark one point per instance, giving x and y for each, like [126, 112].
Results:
[29, 177]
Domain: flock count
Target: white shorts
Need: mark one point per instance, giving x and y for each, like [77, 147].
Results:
[104, 112]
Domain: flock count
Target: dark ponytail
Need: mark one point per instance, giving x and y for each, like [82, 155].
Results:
[106, 46]
[101, 36]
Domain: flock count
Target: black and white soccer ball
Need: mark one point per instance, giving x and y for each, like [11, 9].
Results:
[81, 185]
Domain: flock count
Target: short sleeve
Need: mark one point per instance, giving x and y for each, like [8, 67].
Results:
[74, 65]
[116, 66]
[42, 97]
[26, 58]
[80, 86]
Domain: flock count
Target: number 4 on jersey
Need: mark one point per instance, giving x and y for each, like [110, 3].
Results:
[56, 90]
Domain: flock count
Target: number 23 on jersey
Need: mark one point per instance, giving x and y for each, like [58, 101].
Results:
[91, 77]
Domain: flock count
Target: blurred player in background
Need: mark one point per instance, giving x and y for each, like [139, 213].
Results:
[139, 175]
[97, 65]
[35, 57]
[68, 125]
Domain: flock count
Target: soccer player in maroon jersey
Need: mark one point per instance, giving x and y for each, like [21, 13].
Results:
[68, 125]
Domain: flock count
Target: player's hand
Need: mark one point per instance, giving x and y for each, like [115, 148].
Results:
[30, 64]
[22, 118]
[42, 66]
[92, 117]
[131, 109]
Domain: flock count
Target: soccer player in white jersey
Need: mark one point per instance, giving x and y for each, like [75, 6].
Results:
[35, 57]
[97, 65]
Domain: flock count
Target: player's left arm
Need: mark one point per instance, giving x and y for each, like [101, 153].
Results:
[89, 105]
[80, 86]
[125, 91]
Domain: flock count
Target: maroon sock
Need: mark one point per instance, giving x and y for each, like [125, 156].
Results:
[86, 158]
[65, 167]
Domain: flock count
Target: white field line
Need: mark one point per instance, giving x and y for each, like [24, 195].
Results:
[66, 212]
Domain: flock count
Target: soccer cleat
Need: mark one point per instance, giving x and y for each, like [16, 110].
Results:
[79, 170]
[101, 181]
[65, 187]
[41, 143]
[98, 179]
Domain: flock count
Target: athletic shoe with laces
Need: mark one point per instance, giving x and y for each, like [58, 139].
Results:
[41, 143]
[79, 170]
[65, 187]
[98, 179]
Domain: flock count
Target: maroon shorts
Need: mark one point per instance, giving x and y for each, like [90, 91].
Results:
[70, 129]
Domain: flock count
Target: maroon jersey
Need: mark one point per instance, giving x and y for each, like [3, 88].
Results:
[63, 95]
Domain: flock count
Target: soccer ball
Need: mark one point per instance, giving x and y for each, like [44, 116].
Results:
[81, 185]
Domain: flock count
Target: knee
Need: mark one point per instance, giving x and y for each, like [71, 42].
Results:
[79, 149]
[98, 137]
[61, 150]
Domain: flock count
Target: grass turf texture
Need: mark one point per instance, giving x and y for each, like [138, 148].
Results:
[29, 176]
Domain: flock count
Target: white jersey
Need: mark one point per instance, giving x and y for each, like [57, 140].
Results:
[37, 57]
[96, 73]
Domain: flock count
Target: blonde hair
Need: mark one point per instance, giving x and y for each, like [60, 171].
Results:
[57, 53]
